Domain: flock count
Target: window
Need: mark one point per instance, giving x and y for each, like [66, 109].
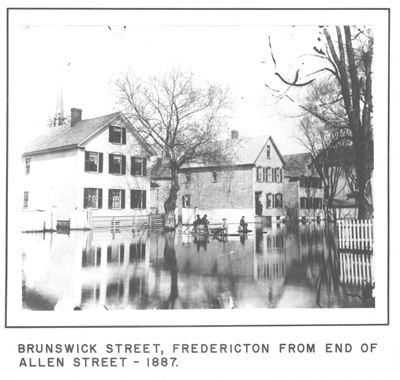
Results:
[270, 201]
[27, 165]
[186, 201]
[92, 198]
[268, 151]
[26, 199]
[278, 174]
[116, 199]
[116, 164]
[215, 176]
[309, 203]
[117, 135]
[188, 178]
[259, 174]
[278, 200]
[138, 199]
[139, 166]
[93, 162]
[303, 202]
[269, 174]
[317, 203]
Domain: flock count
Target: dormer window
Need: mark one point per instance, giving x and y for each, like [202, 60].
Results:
[117, 135]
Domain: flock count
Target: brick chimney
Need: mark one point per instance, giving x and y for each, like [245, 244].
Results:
[234, 134]
[76, 116]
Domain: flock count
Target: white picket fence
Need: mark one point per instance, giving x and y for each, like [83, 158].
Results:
[356, 269]
[355, 234]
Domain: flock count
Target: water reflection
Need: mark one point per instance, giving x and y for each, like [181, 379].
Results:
[288, 266]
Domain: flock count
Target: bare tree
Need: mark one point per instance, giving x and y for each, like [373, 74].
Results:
[344, 55]
[326, 136]
[180, 119]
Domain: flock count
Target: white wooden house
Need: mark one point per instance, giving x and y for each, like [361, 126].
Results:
[97, 165]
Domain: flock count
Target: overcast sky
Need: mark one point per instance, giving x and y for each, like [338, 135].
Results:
[83, 52]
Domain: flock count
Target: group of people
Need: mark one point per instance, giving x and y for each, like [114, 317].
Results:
[201, 222]
[223, 229]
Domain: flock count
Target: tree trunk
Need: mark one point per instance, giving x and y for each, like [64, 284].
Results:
[170, 203]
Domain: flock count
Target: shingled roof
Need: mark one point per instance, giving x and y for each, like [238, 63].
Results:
[66, 137]
[297, 165]
[245, 151]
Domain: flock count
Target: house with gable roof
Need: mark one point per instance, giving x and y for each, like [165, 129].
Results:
[98, 165]
[250, 185]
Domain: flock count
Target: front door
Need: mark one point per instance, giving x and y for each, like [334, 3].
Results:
[258, 204]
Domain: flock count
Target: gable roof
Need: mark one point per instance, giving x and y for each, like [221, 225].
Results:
[297, 165]
[66, 137]
[245, 151]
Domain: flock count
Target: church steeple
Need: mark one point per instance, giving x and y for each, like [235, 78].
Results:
[59, 118]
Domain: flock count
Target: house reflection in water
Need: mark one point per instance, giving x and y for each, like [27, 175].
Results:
[289, 266]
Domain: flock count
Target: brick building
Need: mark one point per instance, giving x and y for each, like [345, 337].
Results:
[97, 164]
[250, 185]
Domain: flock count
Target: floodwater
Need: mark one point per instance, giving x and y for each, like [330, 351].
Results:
[286, 266]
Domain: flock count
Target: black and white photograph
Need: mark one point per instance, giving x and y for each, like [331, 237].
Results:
[215, 161]
[199, 191]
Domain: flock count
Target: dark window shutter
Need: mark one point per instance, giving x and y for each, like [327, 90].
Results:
[100, 162]
[86, 161]
[132, 165]
[131, 198]
[85, 197]
[144, 166]
[122, 198]
[100, 195]
[123, 135]
[144, 199]
[123, 165]
[110, 156]
[183, 201]
[109, 198]
[110, 129]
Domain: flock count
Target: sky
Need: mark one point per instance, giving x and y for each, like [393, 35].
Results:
[83, 53]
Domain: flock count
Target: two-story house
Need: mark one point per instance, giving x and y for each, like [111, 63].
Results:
[250, 185]
[98, 164]
[303, 190]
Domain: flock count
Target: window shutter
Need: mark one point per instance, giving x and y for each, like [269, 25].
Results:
[123, 135]
[144, 199]
[132, 165]
[109, 253]
[100, 162]
[122, 198]
[144, 166]
[110, 163]
[132, 198]
[123, 165]
[85, 197]
[86, 161]
[110, 129]
[109, 198]
[100, 198]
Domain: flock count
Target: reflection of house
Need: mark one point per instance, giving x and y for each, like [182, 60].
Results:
[250, 185]
[97, 164]
[303, 191]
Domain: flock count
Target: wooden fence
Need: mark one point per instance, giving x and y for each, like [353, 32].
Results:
[117, 222]
[355, 234]
[356, 268]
